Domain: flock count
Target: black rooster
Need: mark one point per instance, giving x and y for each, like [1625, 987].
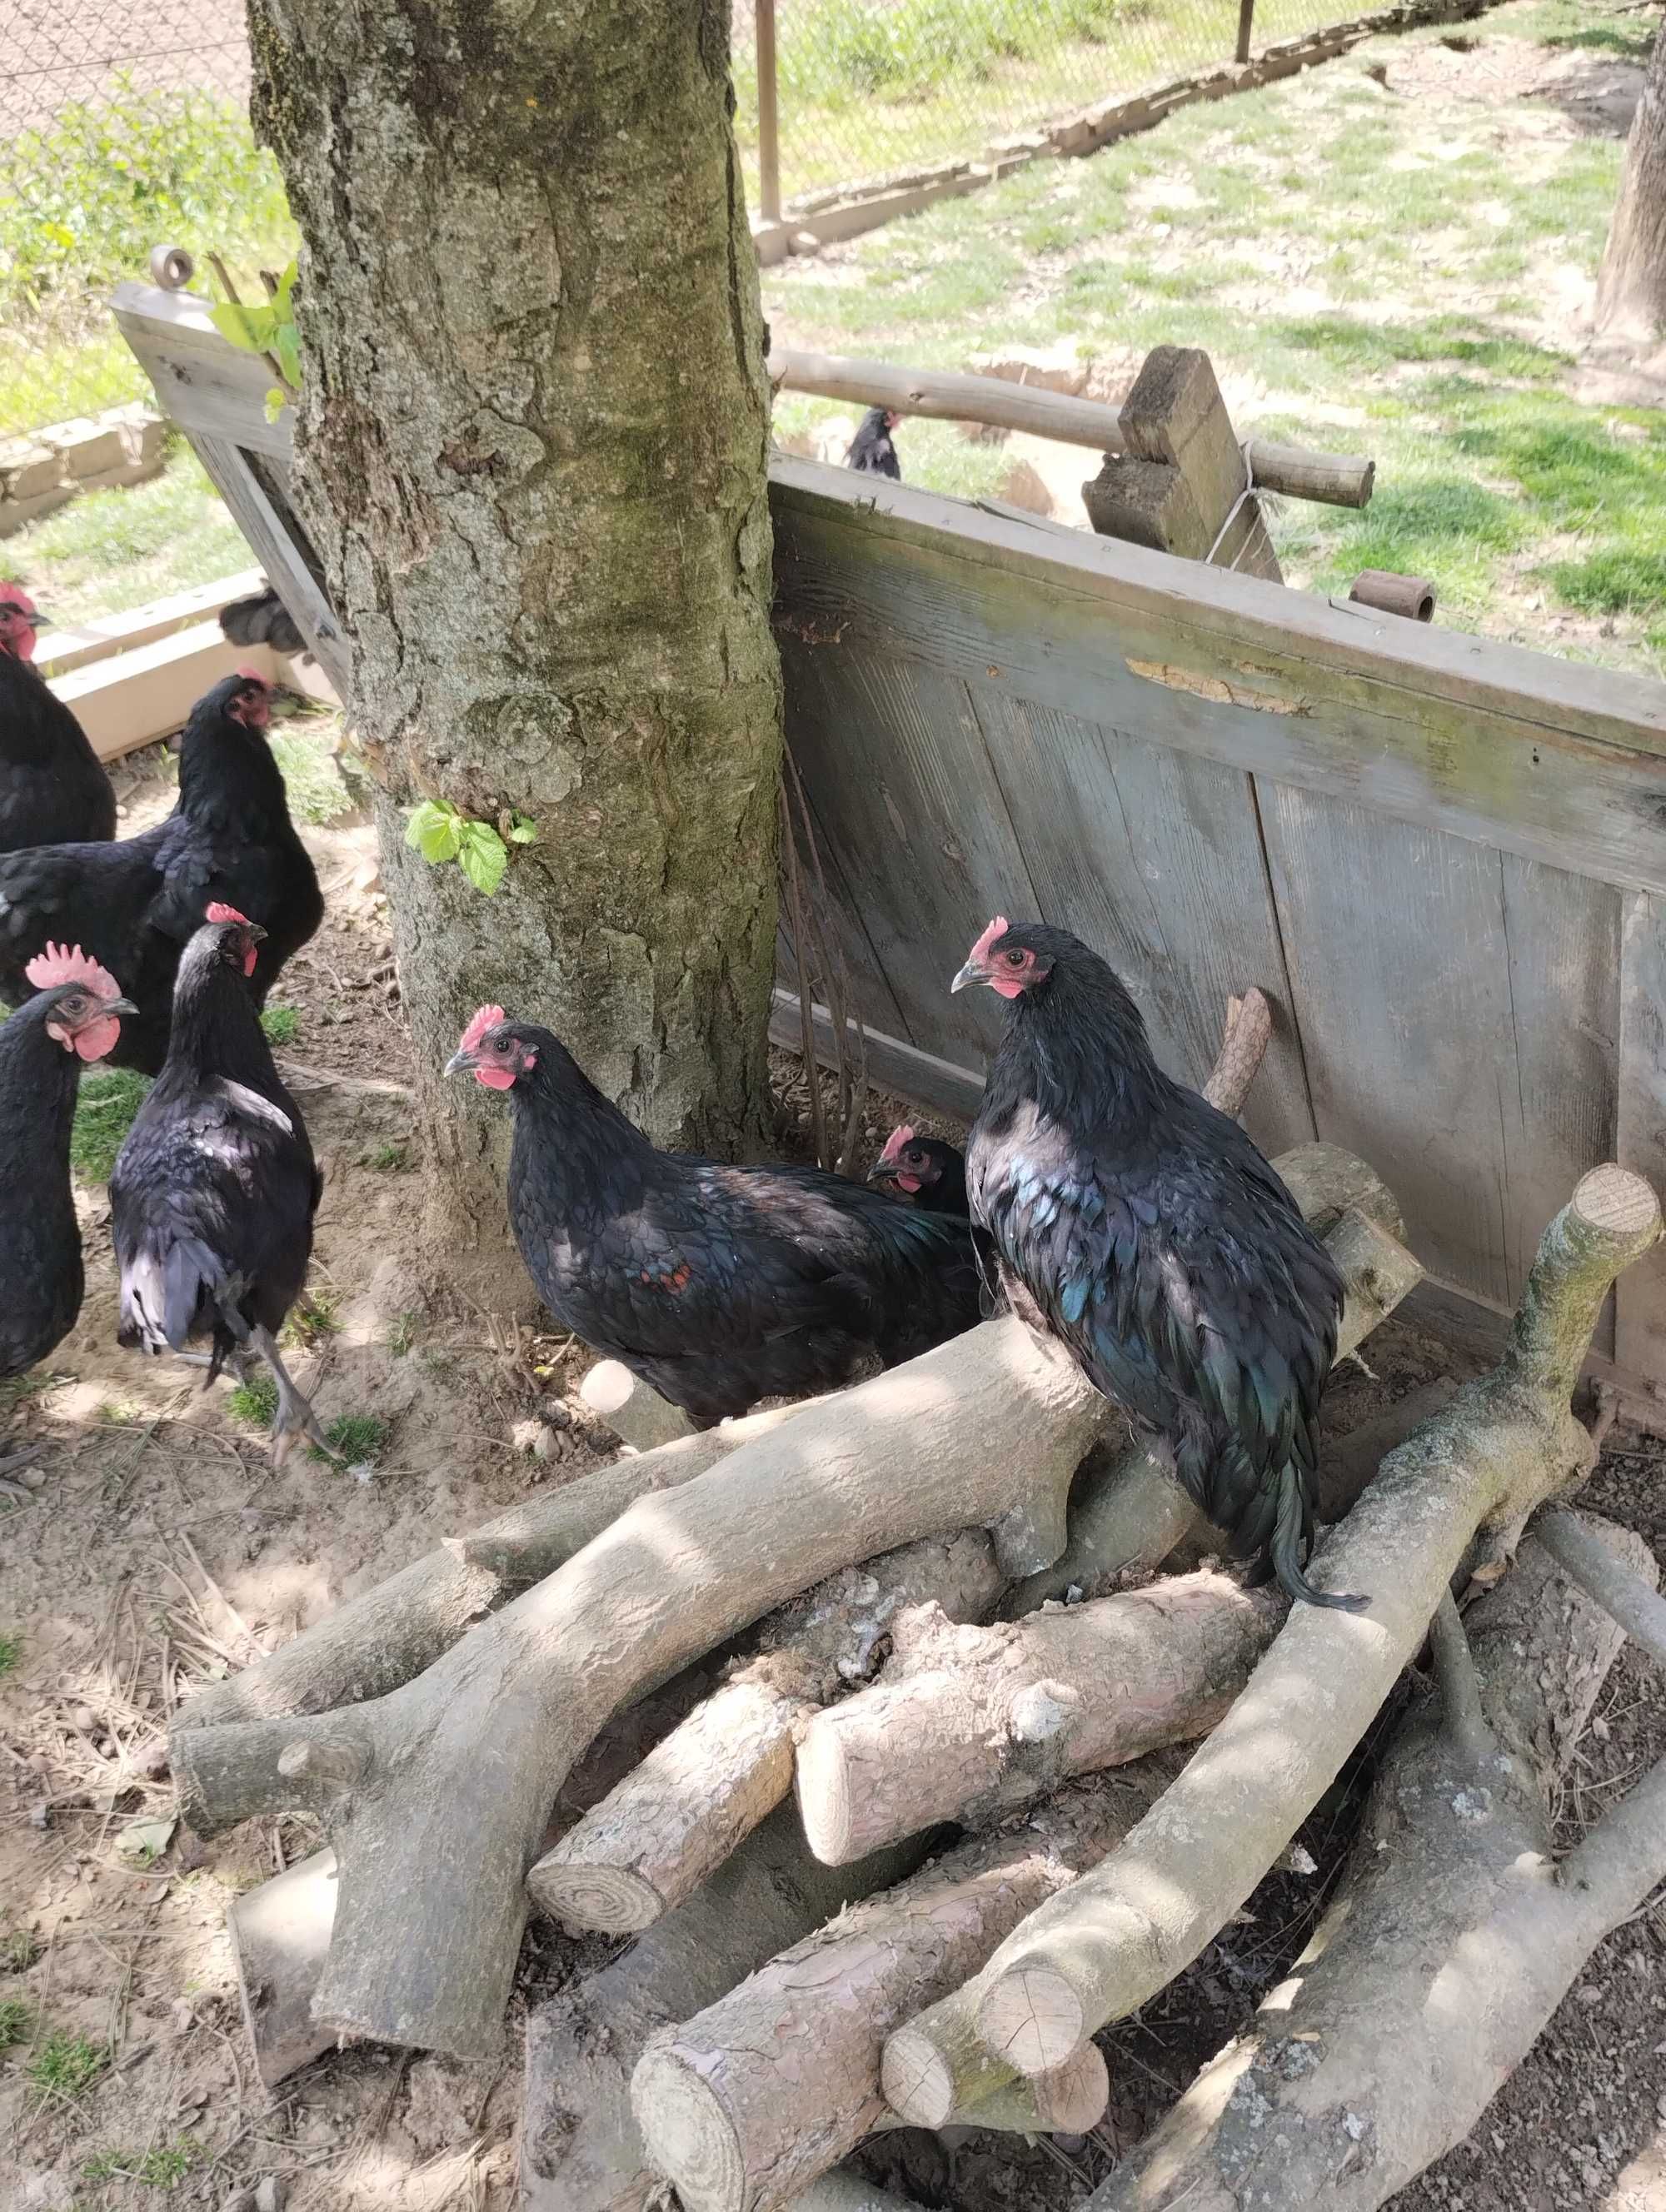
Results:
[73, 1016]
[871, 449]
[932, 1173]
[52, 787]
[214, 1189]
[135, 905]
[1155, 1241]
[718, 1285]
[263, 620]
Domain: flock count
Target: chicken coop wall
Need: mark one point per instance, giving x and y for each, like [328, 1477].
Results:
[1442, 859]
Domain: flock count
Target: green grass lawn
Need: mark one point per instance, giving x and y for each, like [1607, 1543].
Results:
[1371, 269]
[110, 550]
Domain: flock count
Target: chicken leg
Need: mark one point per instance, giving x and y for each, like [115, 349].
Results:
[295, 1416]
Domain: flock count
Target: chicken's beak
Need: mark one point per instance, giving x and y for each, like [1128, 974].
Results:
[971, 973]
[117, 1007]
[460, 1063]
[883, 1172]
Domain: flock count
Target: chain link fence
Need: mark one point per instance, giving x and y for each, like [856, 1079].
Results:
[124, 123]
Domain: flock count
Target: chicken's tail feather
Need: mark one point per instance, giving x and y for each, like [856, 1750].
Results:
[162, 1291]
[1293, 1524]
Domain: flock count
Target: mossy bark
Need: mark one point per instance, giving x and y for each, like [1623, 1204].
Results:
[533, 454]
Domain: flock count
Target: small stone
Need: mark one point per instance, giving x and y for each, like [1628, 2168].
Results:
[84, 1718]
[1589, 1994]
[269, 2194]
[524, 1435]
[40, 1815]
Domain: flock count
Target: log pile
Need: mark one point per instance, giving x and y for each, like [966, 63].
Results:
[921, 1830]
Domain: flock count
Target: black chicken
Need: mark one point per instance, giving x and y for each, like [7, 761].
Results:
[214, 1192]
[871, 449]
[52, 787]
[73, 1016]
[718, 1285]
[263, 620]
[135, 905]
[1155, 1241]
[931, 1172]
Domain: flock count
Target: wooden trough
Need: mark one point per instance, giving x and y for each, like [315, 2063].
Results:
[1444, 858]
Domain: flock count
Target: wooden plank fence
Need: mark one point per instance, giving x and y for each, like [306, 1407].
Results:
[1442, 858]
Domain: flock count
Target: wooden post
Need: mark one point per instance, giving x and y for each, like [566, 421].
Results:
[768, 140]
[1246, 24]
[1181, 483]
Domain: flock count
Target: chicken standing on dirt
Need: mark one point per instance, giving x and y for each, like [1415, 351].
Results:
[134, 905]
[718, 1285]
[214, 1189]
[1146, 1233]
[52, 787]
[72, 1019]
[931, 1173]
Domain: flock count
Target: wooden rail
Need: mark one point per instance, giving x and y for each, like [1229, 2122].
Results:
[1337, 479]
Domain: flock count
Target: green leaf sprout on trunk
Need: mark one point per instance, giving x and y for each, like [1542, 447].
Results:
[441, 832]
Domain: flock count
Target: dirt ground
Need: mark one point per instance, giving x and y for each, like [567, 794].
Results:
[155, 1547]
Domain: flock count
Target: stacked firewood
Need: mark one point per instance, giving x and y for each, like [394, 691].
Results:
[979, 1778]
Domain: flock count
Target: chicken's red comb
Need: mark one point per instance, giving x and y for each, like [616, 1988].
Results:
[215, 911]
[485, 1018]
[63, 963]
[900, 1135]
[13, 595]
[997, 929]
[254, 676]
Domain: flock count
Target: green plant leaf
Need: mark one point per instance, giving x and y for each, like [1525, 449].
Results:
[521, 832]
[275, 403]
[287, 346]
[435, 831]
[252, 328]
[483, 858]
[286, 285]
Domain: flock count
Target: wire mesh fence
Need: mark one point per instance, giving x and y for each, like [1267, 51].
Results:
[123, 123]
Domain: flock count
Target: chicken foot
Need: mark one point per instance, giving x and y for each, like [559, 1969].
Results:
[295, 1416]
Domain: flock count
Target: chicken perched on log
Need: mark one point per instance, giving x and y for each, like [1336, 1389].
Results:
[52, 787]
[73, 1019]
[135, 905]
[929, 1171]
[215, 1189]
[1151, 1237]
[718, 1285]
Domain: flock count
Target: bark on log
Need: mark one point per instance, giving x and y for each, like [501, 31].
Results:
[581, 2149]
[386, 1635]
[743, 2104]
[280, 1936]
[844, 2192]
[1248, 1032]
[677, 1574]
[1450, 1943]
[970, 1723]
[1127, 1511]
[1462, 1486]
[636, 1413]
[662, 1829]
[1631, 284]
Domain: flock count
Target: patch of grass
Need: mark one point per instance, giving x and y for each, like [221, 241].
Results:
[1621, 580]
[390, 1158]
[281, 1025]
[110, 550]
[15, 2022]
[120, 1412]
[163, 2167]
[18, 1951]
[254, 1402]
[359, 1439]
[402, 1335]
[66, 2065]
[11, 1651]
[110, 1098]
[19, 1389]
[314, 1316]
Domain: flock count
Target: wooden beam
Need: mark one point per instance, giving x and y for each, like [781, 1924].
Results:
[100, 638]
[891, 1065]
[270, 538]
[1556, 763]
[769, 139]
[129, 702]
[943, 395]
[202, 381]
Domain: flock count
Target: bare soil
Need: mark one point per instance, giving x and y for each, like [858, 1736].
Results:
[158, 1548]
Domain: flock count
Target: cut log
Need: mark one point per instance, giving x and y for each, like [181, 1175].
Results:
[636, 1413]
[581, 2149]
[970, 1723]
[1461, 1488]
[844, 2192]
[280, 1933]
[1450, 1941]
[663, 1829]
[384, 1636]
[1127, 1511]
[420, 1844]
[743, 2104]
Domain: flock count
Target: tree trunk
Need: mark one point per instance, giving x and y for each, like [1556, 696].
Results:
[1631, 286]
[531, 452]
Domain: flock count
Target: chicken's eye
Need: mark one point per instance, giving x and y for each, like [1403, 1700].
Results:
[501, 1047]
[1015, 959]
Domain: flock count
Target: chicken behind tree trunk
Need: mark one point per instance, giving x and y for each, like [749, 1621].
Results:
[214, 1189]
[1146, 1233]
[134, 905]
[718, 1285]
[72, 1019]
[929, 1172]
[53, 789]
